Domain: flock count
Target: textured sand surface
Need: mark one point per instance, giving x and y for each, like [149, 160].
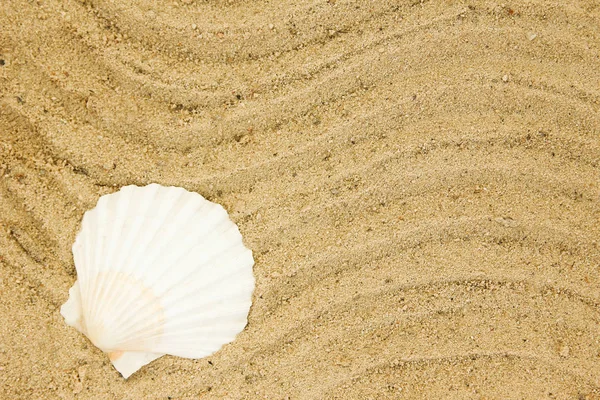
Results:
[418, 180]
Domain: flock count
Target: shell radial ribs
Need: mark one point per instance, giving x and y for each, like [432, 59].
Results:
[160, 270]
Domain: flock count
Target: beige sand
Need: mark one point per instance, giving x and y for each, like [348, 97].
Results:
[418, 180]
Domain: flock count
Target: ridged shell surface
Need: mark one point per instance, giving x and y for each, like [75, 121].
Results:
[160, 270]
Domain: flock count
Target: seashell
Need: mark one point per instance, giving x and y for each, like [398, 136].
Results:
[160, 270]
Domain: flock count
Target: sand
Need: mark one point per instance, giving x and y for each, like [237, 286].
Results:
[418, 181]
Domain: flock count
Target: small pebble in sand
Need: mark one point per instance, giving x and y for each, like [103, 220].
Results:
[506, 221]
[505, 78]
[244, 139]
[531, 35]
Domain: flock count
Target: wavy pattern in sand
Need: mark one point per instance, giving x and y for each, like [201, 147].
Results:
[418, 180]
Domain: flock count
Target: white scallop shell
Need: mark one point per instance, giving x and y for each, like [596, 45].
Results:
[160, 271]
